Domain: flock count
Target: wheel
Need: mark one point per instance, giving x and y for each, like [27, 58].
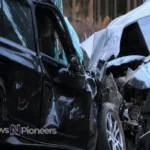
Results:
[110, 131]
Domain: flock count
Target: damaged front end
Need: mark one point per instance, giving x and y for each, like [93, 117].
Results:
[133, 84]
[124, 45]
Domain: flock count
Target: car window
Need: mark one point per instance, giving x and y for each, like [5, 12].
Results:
[144, 24]
[17, 23]
[50, 43]
[133, 42]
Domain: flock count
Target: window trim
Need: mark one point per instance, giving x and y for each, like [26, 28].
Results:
[66, 39]
[50, 57]
[44, 56]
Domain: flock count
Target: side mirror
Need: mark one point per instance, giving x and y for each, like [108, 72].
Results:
[76, 81]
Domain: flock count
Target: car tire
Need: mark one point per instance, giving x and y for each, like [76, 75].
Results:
[110, 131]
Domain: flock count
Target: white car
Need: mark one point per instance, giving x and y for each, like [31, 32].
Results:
[125, 47]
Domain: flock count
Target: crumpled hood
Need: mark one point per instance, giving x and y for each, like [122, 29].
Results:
[106, 43]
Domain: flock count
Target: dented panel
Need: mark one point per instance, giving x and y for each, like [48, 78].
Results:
[22, 80]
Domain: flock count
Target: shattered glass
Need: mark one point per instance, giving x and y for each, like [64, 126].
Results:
[74, 36]
[59, 5]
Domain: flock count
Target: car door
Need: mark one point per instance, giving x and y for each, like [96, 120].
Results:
[53, 58]
[21, 67]
[64, 107]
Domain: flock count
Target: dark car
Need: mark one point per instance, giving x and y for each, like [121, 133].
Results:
[44, 103]
[37, 90]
